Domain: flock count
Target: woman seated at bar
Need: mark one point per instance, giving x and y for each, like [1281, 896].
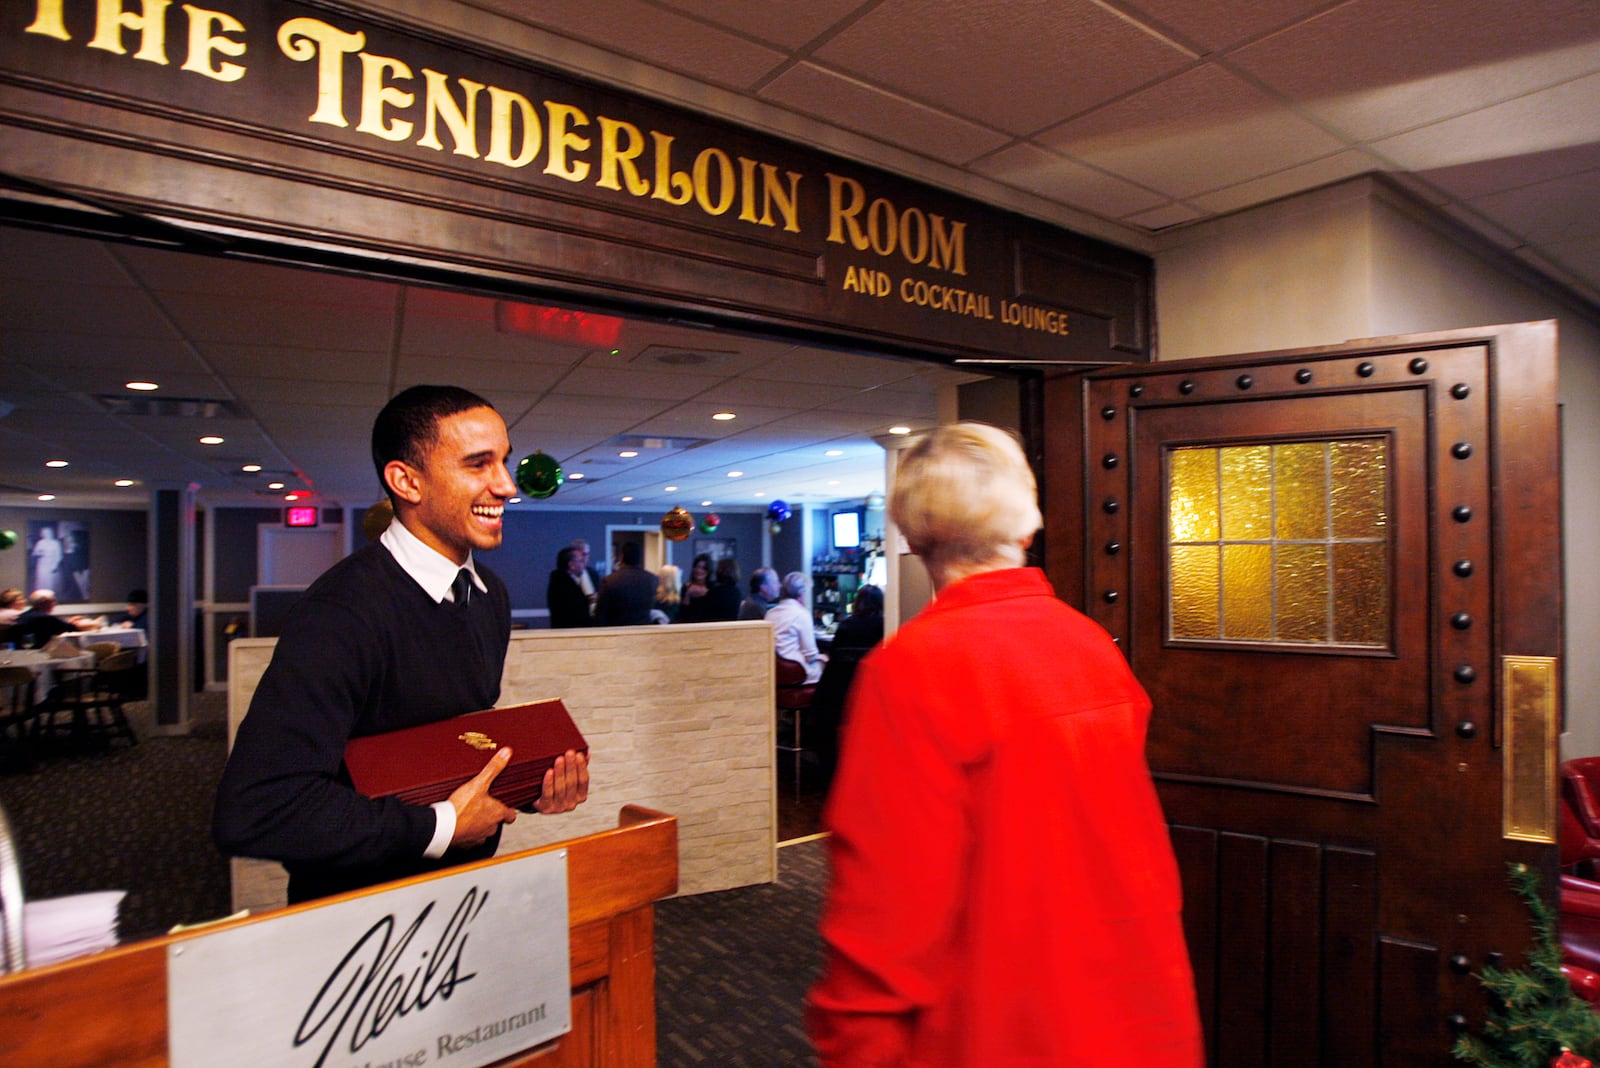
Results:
[792, 634]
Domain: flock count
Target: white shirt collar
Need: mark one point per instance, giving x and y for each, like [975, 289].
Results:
[432, 570]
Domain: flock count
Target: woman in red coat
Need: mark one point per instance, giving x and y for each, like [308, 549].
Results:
[1004, 892]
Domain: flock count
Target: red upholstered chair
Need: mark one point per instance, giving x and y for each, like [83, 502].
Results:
[1579, 833]
[794, 697]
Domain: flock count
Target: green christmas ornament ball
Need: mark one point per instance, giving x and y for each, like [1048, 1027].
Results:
[8, 538]
[539, 476]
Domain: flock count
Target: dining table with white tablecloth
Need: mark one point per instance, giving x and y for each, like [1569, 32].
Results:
[126, 637]
[44, 666]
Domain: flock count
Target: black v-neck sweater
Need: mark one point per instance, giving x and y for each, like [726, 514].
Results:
[364, 651]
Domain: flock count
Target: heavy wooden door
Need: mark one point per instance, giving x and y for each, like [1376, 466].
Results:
[1337, 573]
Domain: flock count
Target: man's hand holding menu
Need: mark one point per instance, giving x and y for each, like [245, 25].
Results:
[478, 814]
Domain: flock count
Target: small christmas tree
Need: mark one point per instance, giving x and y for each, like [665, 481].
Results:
[1533, 1015]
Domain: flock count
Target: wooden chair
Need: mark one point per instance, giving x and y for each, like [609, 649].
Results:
[794, 697]
[16, 718]
[102, 650]
[92, 700]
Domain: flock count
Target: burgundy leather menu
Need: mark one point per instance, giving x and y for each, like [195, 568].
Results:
[422, 765]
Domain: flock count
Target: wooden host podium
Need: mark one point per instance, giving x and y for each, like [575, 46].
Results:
[111, 1008]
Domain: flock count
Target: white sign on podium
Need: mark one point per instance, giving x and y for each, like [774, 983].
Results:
[458, 971]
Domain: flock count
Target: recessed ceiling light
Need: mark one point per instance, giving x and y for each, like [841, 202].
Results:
[123, 483]
[761, 493]
[833, 482]
[628, 454]
[55, 463]
[211, 439]
[735, 474]
[625, 500]
[834, 452]
[705, 504]
[575, 476]
[141, 386]
[47, 496]
[669, 489]
[250, 468]
[899, 430]
[291, 496]
[274, 485]
[723, 417]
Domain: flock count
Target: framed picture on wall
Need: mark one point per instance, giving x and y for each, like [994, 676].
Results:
[58, 558]
[716, 548]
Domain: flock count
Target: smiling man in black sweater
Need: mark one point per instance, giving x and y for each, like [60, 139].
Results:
[406, 630]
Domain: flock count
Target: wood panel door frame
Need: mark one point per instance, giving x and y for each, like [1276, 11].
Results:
[1492, 471]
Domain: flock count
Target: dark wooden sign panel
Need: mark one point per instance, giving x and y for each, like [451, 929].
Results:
[321, 122]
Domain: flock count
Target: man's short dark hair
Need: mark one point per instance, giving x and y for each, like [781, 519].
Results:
[408, 426]
[632, 553]
[758, 579]
[564, 557]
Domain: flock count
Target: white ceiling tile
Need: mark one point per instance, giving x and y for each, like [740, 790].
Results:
[1172, 214]
[1560, 210]
[787, 24]
[1016, 65]
[1213, 26]
[1286, 182]
[1048, 174]
[1539, 136]
[1376, 67]
[1198, 131]
[855, 105]
[651, 33]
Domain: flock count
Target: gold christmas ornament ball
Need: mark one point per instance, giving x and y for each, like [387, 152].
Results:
[677, 524]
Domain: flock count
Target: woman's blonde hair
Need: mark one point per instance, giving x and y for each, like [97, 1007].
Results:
[965, 495]
[667, 584]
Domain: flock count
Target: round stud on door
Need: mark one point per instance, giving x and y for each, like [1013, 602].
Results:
[1136, 390]
[1461, 513]
[1460, 391]
[1244, 381]
[1466, 729]
[1466, 674]
[1418, 366]
[1461, 450]
[1303, 375]
[1110, 505]
[1113, 548]
[1109, 461]
[1108, 413]
[1461, 621]
[1366, 370]
[1462, 568]
[1186, 387]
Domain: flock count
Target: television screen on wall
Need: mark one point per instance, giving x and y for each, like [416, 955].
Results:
[847, 530]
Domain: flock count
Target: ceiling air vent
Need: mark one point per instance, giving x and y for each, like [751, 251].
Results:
[170, 407]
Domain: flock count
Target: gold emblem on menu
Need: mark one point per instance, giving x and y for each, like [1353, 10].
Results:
[477, 739]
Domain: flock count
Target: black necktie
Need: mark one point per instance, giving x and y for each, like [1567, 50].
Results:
[462, 587]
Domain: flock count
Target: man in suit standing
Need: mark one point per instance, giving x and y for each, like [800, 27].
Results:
[564, 596]
[628, 593]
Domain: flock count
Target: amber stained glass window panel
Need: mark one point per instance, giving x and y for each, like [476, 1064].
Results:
[1279, 543]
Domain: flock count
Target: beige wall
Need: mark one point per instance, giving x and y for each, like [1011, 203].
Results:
[678, 719]
[1362, 259]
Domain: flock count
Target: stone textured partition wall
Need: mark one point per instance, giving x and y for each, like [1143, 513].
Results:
[678, 718]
